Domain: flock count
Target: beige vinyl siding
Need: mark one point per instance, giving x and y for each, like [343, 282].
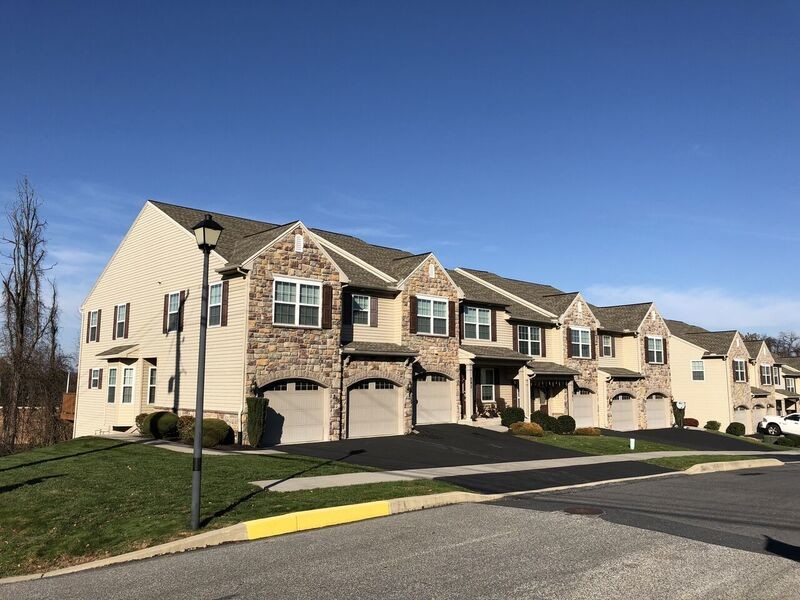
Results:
[555, 345]
[618, 360]
[705, 400]
[504, 333]
[389, 323]
[157, 257]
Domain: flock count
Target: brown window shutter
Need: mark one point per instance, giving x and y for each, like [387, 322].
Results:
[327, 307]
[515, 337]
[88, 325]
[164, 319]
[127, 318]
[613, 346]
[593, 341]
[733, 369]
[373, 311]
[461, 322]
[761, 375]
[569, 342]
[97, 336]
[496, 386]
[543, 338]
[746, 372]
[646, 353]
[100, 379]
[664, 342]
[514, 401]
[223, 317]
[114, 326]
[451, 314]
[494, 325]
[412, 314]
[90, 379]
[347, 309]
[181, 306]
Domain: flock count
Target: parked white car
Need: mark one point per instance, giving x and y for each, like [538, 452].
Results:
[775, 425]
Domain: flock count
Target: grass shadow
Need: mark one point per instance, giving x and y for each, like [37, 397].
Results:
[56, 458]
[34, 481]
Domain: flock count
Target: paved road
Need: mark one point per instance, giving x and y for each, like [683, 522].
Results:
[483, 551]
[693, 439]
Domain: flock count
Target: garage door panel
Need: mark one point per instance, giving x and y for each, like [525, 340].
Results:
[657, 414]
[434, 402]
[758, 415]
[373, 412]
[295, 416]
[744, 417]
[622, 416]
[583, 410]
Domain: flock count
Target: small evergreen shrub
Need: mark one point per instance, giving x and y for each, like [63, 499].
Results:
[545, 421]
[590, 431]
[735, 428]
[140, 419]
[794, 437]
[523, 428]
[186, 428]
[160, 425]
[510, 415]
[785, 441]
[713, 425]
[256, 419]
[215, 432]
[689, 422]
[566, 424]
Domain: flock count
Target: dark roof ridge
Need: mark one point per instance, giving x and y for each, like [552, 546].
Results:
[244, 237]
[630, 304]
[413, 256]
[215, 212]
[558, 294]
[707, 332]
[315, 229]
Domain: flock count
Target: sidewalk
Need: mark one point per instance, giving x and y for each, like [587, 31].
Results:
[310, 483]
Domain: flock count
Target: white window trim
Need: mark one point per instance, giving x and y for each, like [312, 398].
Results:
[210, 287]
[94, 384]
[112, 386]
[736, 363]
[603, 346]
[776, 375]
[766, 369]
[151, 385]
[117, 323]
[588, 344]
[793, 387]
[655, 352]
[433, 299]
[489, 385]
[701, 370]
[367, 310]
[170, 312]
[530, 341]
[297, 302]
[132, 384]
[93, 336]
[477, 323]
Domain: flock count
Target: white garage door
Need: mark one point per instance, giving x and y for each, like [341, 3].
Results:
[759, 412]
[435, 400]
[742, 415]
[583, 410]
[373, 409]
[296, 412]
[657, 412]
[622, 415]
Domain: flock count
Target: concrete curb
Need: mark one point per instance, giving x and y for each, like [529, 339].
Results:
[732, 465]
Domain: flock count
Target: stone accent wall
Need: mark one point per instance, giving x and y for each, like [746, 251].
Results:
[396, 370]
[658, 379]
[587, 367]
[278, 352]
[740, 392]
[436, 354]
[765, 359]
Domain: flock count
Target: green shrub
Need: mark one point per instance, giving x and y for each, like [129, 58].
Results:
[689, 422]
[256, 419]
[511, 414]
[566, 424]
[523, 428]
[545, 421]
[735, 428]
[794, 437]
[186, 428]
[215, 432]
[140, 419]
[590, 431]
[160, 425]
[785, 441]
[713, 425]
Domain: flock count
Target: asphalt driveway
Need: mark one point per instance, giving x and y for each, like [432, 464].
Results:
[448, 445]
[691, 439]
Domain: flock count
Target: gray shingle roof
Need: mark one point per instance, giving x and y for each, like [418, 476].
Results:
[620, 373]
[381, 257]
[753, 347]
[116, 350]
[679, 328]
[477, 292]
[787, 393]
[715, 342]
[758, 392]
[546, 296]
[621, 318]
[792, 361]
[377, 348]
[358, 275]
[542, 367]
[496, 352]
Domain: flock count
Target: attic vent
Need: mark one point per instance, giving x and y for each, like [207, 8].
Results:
[298, 242]
[580, 308]
[431, 270]
[652, 316]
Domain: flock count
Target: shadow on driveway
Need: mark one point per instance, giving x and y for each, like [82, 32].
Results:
[693, 439]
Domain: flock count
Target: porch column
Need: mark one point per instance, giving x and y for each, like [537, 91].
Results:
[525, 391]
[469, 391]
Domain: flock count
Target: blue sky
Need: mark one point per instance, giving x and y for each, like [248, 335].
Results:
[631, 150]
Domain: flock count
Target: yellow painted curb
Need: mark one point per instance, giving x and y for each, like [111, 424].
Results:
[316, 519]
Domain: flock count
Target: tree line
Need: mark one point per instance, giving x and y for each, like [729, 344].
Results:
[786, 343]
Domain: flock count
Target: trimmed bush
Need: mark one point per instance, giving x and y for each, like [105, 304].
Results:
[160, 425]
[794, 437]
[785, 441]
[689, 422]
[523, 428]
[566, 424]
[545, 421]
[510, 415]
[713, 425]
[735, 428]
[215, 432]
[256, 420]
[590, 431]
[140, 419]
[186, 428]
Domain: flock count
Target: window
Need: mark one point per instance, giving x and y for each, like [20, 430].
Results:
[789, 383]
[127, 385]
[766, 375]
[607, 348]
[122, 316]
[151, 386]
[94, 380]
[431, 316]
[382, 384]
[174, 312]
[281, 386]
[581, 342]
[112, 385]
[215, 305]
[94, 317]
[739, 370]
[487, 385]
[776, 375]
[477, 323]
[305, 386]
[655, 350]
[529, 339]
[297, 303]
[698, 370]
[360, 310]
[436, 378]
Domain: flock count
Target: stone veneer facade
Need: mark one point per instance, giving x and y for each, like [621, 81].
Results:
[578, 314]
[658, 379]
[740, 391]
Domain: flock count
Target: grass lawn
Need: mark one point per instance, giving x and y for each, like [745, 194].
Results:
[599, 444]
[681, 463]
[92, 497]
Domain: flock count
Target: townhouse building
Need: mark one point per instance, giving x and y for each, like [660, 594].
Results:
[766, 378]
[787, 398]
